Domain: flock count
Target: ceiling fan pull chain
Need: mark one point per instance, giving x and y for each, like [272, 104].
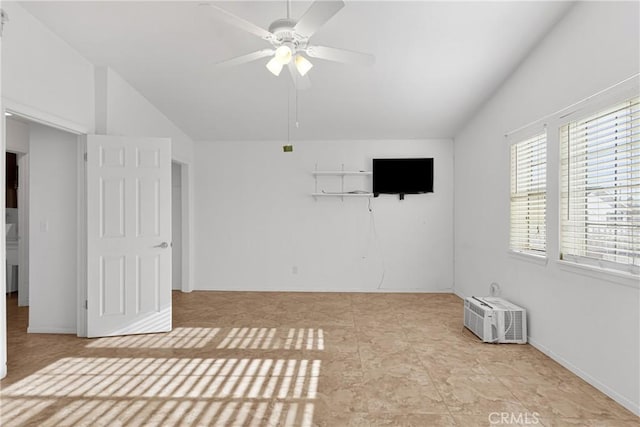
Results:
[297, 123]
[288, 114]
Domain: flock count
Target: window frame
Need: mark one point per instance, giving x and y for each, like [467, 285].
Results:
[528, 251]
[570, 261]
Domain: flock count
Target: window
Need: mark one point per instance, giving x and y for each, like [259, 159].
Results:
[600, 192]
[528, 195]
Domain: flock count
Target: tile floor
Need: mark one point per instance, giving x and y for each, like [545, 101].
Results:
[294, 359]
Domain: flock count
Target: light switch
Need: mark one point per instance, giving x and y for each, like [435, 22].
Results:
[44, 226]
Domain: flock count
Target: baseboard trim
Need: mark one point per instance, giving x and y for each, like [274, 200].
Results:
[50, 330]
[633, 407]
[325, 290]
[459, 294]
[3, 370]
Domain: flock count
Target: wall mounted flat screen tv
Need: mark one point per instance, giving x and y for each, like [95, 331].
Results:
[402, 176]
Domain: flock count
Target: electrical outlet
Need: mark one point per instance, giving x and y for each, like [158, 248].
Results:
[294, 269]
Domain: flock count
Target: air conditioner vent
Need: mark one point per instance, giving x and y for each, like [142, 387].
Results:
[478, 310]
[514, 333]
[474, 321]
[495, 320]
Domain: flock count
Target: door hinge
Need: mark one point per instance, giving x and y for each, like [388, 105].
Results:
[85, 157]
[86, 304]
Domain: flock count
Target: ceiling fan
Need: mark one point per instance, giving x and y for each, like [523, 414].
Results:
[289, 39]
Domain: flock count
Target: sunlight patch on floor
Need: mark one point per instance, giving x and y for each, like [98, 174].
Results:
[273, 339]
[167, 391]
[177, 338]
[19, 411]
[109, 412]
[172, 378]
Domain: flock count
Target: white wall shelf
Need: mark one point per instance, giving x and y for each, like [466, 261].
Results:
[341, 192]
[341, 173]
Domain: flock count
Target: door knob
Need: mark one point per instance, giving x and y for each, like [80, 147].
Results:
[163, 245]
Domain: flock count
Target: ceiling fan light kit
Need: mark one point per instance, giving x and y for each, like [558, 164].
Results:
[289, 39]
[274, 66]
[283, 54]
[303, 65]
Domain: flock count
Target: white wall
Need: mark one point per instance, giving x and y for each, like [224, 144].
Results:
[53, 230]
[122, 110]
[17, 136]
[44, 77]
[41, 72]
[588, 323]
[176, 226]
[259, 228]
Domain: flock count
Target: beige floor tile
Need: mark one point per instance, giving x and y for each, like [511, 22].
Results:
[478, 395]
[499, 419]
[292, 359]
[398, 395]
[411, 420]
[442, 365]
[338, 364]
[565, 399]
[342, 395]
[581, 422]
[522, 366]
[397, 361]
[323, 418]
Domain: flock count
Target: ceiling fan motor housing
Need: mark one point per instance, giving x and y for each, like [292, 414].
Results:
[284, 34]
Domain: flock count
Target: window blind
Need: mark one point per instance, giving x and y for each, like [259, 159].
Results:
[529, 195]
[600, 178]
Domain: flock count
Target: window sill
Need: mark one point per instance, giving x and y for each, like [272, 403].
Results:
[535, 259]
[618, 277]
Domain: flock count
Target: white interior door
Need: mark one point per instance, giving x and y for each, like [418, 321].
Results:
[128, 235]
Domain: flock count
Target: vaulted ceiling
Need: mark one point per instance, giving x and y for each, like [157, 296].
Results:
[436, 63]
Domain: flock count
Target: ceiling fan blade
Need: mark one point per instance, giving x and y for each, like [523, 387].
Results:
[340, 55]
[253, 56]
[317, 14]
[238, 22]
[300, 82]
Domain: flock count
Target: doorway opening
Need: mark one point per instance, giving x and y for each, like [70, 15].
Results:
[176, 227]
[11, 222]
[180, 280]
[41, 222]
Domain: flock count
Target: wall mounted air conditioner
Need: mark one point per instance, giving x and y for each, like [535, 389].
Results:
[495, 320]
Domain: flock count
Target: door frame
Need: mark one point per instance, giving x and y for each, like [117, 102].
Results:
[55, 122]
[186, 284]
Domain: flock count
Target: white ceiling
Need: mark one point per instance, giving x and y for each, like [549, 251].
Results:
[436, 63]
